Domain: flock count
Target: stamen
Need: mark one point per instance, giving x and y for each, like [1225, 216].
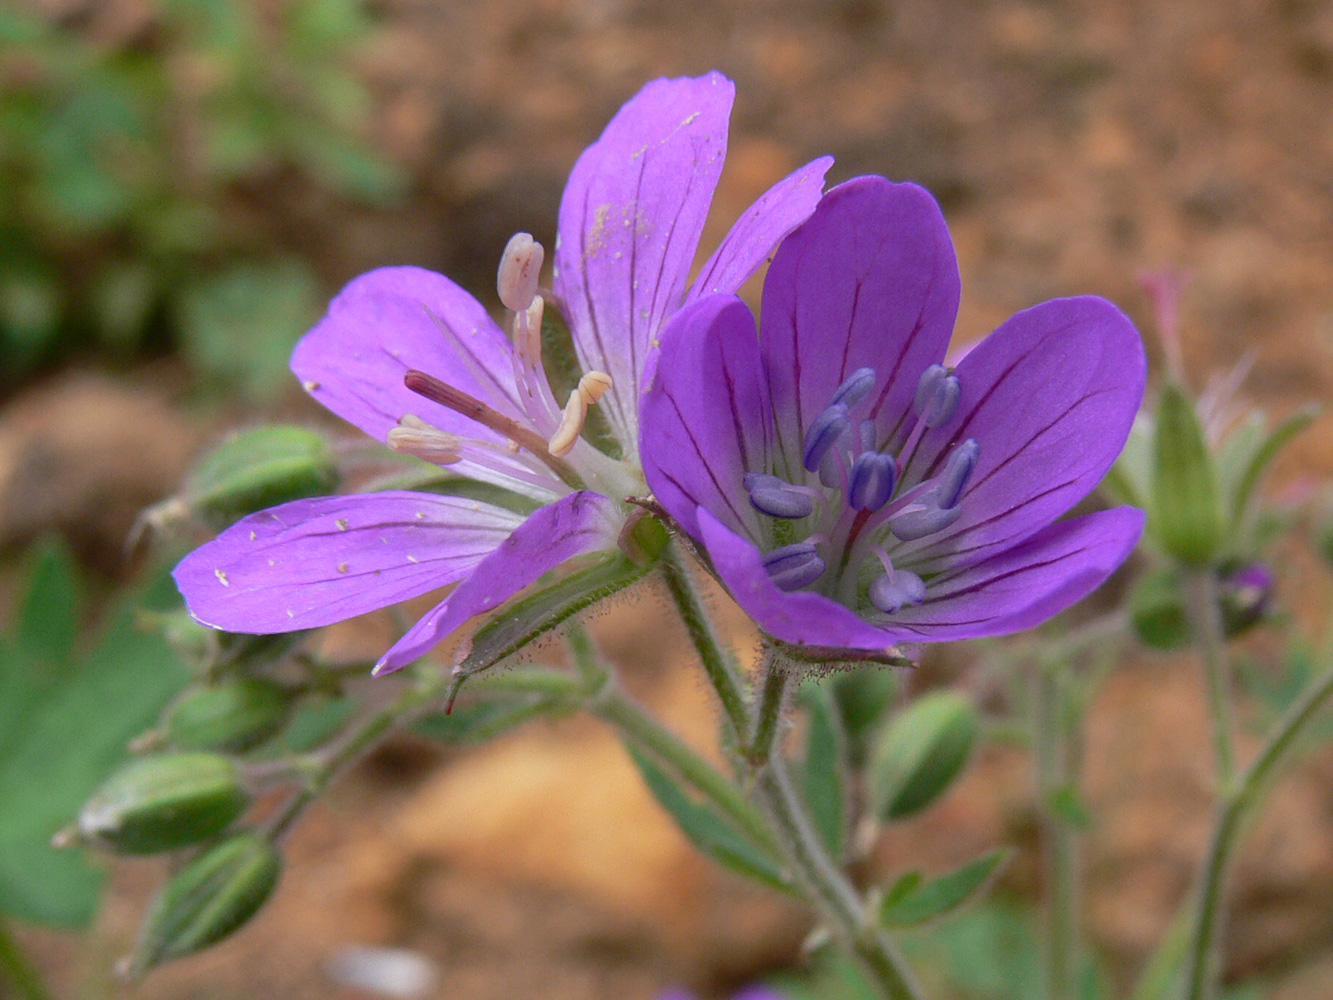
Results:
[854, 388]
[925, 517]
[891, 592]
[520, 268]
[792, 567]
[823, 435]
[869, 434]
[594, 385]
[770, 495]
[571, 425]
[528, 333]
[413, 436]
[872, 480]
[957, 471]
[937, 395]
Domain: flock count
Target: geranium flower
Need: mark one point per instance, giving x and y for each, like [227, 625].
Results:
[413, 360]
[852, 491]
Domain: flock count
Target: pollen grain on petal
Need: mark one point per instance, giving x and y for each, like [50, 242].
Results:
[341, 523]
[222, 577]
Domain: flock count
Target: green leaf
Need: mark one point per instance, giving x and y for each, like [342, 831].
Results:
[706, 829]
[315, 721]
[49, 618]
[824, 771]
[942, 895]
[66, 725]
[1157, 609]
[903, 887]
[1069, 806]
[1186, 509]
[1280, 437]
[920, 753]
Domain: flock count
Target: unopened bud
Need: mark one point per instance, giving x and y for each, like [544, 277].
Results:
[593, 386]
[520, 268]
[257, 469]
[920, 753]
[413, 436]
[211, 897]
[571, 425]
[1244, 595]
[233, 716]
[163, 803]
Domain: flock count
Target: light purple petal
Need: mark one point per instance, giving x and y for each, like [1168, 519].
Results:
[869, 280]
[800, 616]
[1027, 584]
[630, 222]
[706, 416]
[313, 562]
[574, 525]
[1050, 397]
[778, 211]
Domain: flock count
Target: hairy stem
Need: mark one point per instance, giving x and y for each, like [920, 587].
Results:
[1051, 735]
[1203, 962]
[768, 712]
[717, 663]
[1206, 622]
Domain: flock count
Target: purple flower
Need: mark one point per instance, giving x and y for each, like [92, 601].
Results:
[413, 360]
[851, 490]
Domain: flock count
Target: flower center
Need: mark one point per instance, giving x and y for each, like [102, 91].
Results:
[863, 513]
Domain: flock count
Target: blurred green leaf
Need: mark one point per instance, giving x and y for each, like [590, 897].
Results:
[315, 721]
[706, 829]
[1067, 804]
[30, 308]
[1263, 456]
[66, 721]
[241, 324]
[122, 297]
[926, 901]
[482, 720]
[920, 753]
[825, 769]
[1186, 511]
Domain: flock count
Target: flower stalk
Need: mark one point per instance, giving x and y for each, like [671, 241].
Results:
[1206, 620]
[1051, 732]
[13, 962]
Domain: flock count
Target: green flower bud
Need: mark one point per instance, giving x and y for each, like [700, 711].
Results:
[233, 716]
[920, 753]
[1186, 507]
[1157, 608]
[162, 803]
[212, 896]
[252, 470]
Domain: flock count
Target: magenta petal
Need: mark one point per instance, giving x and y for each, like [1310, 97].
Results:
[630, 222]
[869, 280]
[778, 211]
[313, 562]
[393, 319]
[1050, 397]
[574, 525]
[1027, 584]
[706, 416]
[799, 616]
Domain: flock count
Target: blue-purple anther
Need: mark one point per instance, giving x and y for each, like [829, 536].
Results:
[842, 447]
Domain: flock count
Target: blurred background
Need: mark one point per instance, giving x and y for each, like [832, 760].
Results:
[185, 183]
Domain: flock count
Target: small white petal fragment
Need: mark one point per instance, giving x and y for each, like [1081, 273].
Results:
[413, 436]
[222, 577]
[594, 385]
[341, 523]
[520, 267]
[342, 567]
[309, 386]
[388, 972]
[571, 425]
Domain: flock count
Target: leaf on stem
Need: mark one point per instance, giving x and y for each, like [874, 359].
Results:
[909, 902]
[823, 776]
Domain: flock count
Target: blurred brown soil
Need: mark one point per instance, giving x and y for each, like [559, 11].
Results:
[1072, 144]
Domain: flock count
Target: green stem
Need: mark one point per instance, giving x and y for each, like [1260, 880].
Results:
[27, 982]
[1060, 843]
[769, 712]
[1203, 964]
[1206, 622]
[716, 662]
[830, 892]
[615, 707]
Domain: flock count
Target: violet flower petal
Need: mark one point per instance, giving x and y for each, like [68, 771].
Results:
[778, 211]
[313, 562]
[869, 280]
[630, 222]
[1050, 397]
[798, 616]
[1026, 584]
[706, 416]
[573, 525]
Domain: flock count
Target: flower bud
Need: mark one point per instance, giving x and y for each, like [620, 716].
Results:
[1186, 512]
[520, 269]
[252, 470]
[212, 896]
[920, 753]
[1244, 596]
[163, 803]
[233, 716]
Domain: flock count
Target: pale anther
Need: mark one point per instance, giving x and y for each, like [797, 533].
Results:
[593, 386]
[413, 436]
[528, 333]
[937, 395]
[520, 269]
[571, 425]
